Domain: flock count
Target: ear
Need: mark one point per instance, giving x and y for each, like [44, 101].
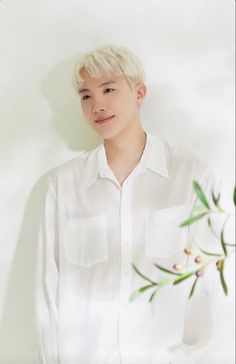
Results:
[141, 91]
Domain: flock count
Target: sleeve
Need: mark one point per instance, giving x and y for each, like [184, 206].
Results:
[199, 314]
[46, 297]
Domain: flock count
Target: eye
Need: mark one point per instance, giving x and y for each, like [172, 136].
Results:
[87, 96]
[83, 98]
[109, 89]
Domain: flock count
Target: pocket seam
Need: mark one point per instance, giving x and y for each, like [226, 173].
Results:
[174, 213]
[76, 224]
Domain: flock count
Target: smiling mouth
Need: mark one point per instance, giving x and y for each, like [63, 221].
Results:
[102, 121]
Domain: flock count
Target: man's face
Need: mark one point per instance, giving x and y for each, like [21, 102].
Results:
[110, 96]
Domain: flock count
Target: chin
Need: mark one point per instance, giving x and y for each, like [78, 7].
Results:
[107, 134]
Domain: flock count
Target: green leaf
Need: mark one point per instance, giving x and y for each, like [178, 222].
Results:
[138, 292]
[234, 197]
[143, 276]
[222, 279]
[193, 287]
[211, 254]
[154, 294]
[183, 277]
[200, 194]
[215, 199]
[199, 209]
[223, 242]
[193, 219]
[167, 270]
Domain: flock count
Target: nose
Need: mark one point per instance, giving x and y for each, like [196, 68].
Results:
[98, 106]
[98, 109]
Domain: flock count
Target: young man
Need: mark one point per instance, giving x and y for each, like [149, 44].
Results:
[118, 204]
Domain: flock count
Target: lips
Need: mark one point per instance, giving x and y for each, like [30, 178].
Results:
[103, 120]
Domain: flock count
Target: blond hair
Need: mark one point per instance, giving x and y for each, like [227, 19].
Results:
[110, 59]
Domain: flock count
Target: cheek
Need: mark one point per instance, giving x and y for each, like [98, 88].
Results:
[84, 108]
[128, 106]
[123, 103]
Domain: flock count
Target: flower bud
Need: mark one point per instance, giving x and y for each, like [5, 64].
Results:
[199, 259]
[199, 273]
[179, 266]
[188, 250]
[219, 264]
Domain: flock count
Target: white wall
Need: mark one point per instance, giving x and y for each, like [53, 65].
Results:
[187, 49]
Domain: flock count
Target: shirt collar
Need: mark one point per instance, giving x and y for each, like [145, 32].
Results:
[153, 157]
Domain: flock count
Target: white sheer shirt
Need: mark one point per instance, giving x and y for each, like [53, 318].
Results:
[91, 232]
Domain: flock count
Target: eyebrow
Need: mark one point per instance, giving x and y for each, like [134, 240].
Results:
[104, 83]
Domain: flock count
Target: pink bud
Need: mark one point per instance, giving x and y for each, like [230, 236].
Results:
[198, 259]
[179, 266]
[199, 273]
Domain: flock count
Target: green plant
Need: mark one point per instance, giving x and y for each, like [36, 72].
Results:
[202, 258]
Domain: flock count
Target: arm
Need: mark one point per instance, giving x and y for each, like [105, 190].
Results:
[47, 281]
[198, 326]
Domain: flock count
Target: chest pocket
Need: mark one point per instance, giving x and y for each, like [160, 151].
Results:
[163, 236]
[87, 241]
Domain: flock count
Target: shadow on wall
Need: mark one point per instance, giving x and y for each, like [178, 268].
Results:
[67, 119]
[18, 326]
[168, 115]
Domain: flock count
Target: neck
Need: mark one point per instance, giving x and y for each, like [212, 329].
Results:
[126, 148]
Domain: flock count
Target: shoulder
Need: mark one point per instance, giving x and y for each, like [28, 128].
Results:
[69, 168]
[186, 158]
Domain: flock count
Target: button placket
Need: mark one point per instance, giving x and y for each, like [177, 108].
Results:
[126, 258]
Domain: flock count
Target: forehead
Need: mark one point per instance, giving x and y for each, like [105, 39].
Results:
[105, 79]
